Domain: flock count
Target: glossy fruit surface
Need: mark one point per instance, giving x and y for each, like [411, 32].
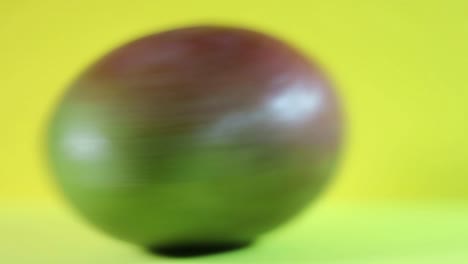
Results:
[196, 135]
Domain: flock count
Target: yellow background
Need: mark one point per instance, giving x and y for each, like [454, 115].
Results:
[400, 68]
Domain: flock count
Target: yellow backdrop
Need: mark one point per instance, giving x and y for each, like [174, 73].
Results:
[400, 67]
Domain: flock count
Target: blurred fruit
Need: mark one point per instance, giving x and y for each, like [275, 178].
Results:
[203, 135]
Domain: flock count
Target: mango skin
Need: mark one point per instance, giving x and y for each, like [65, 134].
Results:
[198, 135]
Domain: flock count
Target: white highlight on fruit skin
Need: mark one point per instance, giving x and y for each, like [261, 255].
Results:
[289, 106]
[295, 103]
[85, 144]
